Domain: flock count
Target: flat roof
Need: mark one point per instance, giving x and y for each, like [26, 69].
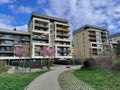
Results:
[13, 32]
[88, 26]
[47, 17]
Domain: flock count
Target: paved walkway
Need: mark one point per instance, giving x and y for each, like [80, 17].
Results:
[48, 80]
[69, 82]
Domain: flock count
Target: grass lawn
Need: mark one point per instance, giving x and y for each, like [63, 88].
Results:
[16, 81]
[99, 80]
[4, 69]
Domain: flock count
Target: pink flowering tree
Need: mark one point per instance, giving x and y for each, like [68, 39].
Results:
[21, 51]
[48, 52]
[51, 53]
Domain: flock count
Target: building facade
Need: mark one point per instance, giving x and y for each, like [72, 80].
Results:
[9, 39]
[90, 41]
[42, 31]
[113, 41]
[51, 32]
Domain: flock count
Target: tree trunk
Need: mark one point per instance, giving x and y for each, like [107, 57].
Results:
[48, 65]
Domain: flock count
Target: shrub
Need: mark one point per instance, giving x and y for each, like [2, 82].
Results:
[117, 61]
[116, 64]
[88, 63]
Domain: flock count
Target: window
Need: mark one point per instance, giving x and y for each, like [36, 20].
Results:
[50, 31]
[37, 54]
[51, 26]
[17, 38]
[94, 45]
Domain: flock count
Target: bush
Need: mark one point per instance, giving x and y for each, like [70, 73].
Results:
[116, 64]
[88, 63]
[117, 61]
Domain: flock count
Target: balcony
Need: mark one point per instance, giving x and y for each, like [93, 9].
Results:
[103, 36]
[62, 39]
[25, 39]
[37, 51]
[62, 35]
[62, 43]
[63, 51]
[6, 51]
[92, 38]
[41, 25]
[41, 41]
[6, 38]
[41, 38]
[62, 29]
[91, 34]
[6, 44]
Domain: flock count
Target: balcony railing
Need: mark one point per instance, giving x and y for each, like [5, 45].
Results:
[92, 34]
[25, 39]
[7, 38]
[41, 25]
[92, 38]
[63, 51]
[41, 38]
[6, 51]
[63, 29]
[6, 43]
[64, 35]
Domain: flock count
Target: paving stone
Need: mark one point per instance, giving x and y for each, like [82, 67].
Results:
[68, 81]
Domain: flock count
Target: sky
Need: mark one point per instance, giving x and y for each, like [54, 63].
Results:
[102, 13]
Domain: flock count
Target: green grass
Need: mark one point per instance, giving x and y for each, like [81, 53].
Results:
[99, 80]
[16, 81]
[4, 69]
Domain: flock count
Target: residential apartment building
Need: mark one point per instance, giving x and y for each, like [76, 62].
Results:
[42, 31]
[113, 40]
[90, 41]
[51, 32]
[9, 39]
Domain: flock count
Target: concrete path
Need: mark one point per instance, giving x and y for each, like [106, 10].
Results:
[49, 80]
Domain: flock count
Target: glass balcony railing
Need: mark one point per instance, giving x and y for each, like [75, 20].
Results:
[40, 37]
[64, 51]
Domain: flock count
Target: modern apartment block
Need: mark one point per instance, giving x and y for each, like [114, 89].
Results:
[42, 31]
[9, 39]
[90, 41]
[51, 32]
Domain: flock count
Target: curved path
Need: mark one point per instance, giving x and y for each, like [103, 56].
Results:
[69, 82]
[49, 80]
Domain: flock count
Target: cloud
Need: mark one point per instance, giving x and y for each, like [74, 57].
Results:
[6, 1]
[41, 1]
[81, 12]
[12, 7]
[22, 28]
[23, 9]
[6, 22]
